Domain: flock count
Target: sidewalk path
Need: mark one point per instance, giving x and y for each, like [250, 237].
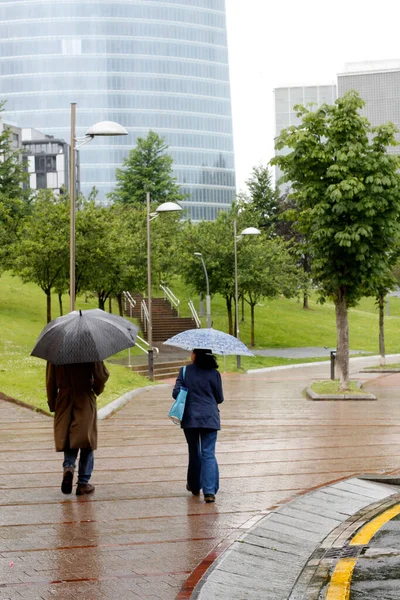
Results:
[141, 535]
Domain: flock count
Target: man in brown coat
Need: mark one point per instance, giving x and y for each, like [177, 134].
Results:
[71, 395]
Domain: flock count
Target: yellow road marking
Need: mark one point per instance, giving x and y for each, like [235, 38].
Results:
[368, 531]
[339, 586]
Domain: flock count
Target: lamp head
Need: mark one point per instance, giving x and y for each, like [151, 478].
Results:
[106, 128]
[168, 207]
[197, 253]
[251, 231]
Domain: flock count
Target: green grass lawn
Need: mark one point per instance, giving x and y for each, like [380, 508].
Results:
[22, 317]
[280, 323]
[283, 323]
[332, 387]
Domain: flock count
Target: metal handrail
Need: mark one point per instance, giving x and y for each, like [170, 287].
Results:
[128, 299]
[168, 294]
[144, 314]
[194, 313]
[145, 343]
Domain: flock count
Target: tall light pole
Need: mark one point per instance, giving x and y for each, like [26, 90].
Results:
[208, 299]
[247, 231]
[103, 128]
[165, 207]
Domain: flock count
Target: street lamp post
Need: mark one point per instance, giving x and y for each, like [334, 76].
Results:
[165, 207]
[103, 128]
[208, 299]
[247, 231]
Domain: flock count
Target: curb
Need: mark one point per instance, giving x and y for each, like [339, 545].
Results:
[380, 371]
[24, 404]
[279, 557]
[313, 364]
[112, 407]
[314, 396]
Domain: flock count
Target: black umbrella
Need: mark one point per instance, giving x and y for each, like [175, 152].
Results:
[84, 336]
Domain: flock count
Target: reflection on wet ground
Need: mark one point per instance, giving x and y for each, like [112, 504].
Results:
[142, 534]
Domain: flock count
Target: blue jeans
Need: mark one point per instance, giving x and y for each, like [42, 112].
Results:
[203, 470]
[86, 462]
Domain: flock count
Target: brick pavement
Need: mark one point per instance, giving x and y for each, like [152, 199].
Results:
[141, 535]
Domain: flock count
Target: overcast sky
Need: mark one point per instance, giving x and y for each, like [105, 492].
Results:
[273, 43]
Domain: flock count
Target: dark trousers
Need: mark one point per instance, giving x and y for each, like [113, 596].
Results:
[203, 470]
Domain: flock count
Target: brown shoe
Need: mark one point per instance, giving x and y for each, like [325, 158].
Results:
[84, 488]
[66, 484]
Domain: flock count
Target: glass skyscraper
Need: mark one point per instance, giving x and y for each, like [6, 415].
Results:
[146, 64]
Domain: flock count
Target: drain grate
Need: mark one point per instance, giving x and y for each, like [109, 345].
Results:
[345, 552]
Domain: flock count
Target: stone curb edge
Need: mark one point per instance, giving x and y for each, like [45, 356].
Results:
[225, 574]
[313, 364]
[314, 396]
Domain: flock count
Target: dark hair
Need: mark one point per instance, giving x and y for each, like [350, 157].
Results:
[204, 358]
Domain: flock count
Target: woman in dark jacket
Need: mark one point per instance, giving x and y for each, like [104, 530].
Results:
[201, 421]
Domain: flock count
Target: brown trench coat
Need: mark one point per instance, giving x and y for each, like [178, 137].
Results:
[71, 395]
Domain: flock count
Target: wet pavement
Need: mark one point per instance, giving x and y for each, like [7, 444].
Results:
[142, 535]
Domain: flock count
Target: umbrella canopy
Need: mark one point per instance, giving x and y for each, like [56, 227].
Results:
[216, 341]
[84, 336]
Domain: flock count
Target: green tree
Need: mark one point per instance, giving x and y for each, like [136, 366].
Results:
[214, 239]
[14, 199]
[148, 168]
[267, 270]
[346, 188]
[261, 203]
[42, 253]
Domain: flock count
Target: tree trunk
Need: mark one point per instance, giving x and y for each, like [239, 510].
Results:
[120, 306]
[342, 332]
[48, 305]
[305, 301]
[110, 305]
[382, 329]
[242, 308]
[228, 301]
[102, 301]
[60, 304]
[252, 324]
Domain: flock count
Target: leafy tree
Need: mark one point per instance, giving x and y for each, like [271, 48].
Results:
[148, 168]
[267, 270]
[42, 253]
[214, 239]
[346, 188]
[286, 221]
[261, 204]
[14, 199]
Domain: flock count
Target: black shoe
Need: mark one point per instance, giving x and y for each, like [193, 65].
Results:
[66, 484]
[194, 493]
[209, 498]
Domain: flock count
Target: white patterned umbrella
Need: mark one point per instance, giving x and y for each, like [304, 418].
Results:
[84, 336]
[218, 342]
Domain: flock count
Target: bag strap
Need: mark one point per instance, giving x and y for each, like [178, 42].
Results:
[183, 373]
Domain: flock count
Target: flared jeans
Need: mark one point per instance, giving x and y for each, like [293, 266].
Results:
[203, 470]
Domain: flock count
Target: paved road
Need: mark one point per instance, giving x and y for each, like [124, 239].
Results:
[141, 535]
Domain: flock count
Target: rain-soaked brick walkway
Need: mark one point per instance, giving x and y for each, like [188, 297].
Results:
[141, 535]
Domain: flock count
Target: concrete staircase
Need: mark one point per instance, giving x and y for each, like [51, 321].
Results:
[166, 322]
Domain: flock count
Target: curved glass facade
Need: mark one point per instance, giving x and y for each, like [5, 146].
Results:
[147, 64]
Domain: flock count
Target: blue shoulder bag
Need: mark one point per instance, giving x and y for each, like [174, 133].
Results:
[176, 412]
